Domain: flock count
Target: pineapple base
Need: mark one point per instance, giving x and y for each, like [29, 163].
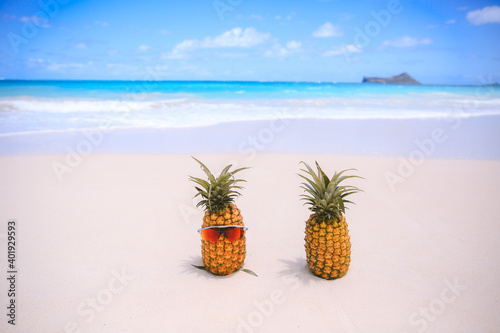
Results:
[328, 247]
[223, 257]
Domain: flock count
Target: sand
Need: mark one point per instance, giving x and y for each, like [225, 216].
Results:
[452, 137]
[108, 247]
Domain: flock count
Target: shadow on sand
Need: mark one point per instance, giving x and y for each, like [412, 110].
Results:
[297, 270]
[195, 266]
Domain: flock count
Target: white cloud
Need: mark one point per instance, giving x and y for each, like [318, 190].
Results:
[256, 17]
[119, 66]
[36, 20]
[33, 62]
[235, 37]
[54, 66]
[190, 44]
[277, 51]
[102, 24]
[280, 52]
[346, 16]
[342, 50]
[231, 54]
[489, 14]
[288, 17]
[143, 48]
[327, 30]
[81, 46]
[294, 45]
[407, 41]
[164, 32]
[451, 22]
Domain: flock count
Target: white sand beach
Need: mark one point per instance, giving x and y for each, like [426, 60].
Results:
[104, 104]
[110, 247]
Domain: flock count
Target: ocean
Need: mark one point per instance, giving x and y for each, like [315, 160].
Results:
[28, 107]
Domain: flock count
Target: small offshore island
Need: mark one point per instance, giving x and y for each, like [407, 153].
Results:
[403, 78]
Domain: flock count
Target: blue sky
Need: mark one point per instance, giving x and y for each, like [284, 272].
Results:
[437, 42]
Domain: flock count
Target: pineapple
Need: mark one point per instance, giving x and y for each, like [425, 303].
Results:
[328, 246]
[221, 257]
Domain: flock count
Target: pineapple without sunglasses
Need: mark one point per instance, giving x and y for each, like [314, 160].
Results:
[217, 194]
[328, 245]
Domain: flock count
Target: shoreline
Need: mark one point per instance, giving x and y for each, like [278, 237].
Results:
[453, 138]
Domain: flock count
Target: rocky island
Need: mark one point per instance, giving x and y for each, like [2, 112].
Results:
[398, 79]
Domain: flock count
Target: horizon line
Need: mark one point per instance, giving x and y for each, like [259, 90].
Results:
[250, 81]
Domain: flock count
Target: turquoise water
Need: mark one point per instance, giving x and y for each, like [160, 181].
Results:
[226, 90]
[41, 106]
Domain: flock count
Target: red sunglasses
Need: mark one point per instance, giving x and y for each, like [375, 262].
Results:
[232, 232]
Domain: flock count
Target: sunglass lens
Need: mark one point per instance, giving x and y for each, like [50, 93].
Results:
[233, 234]
[211, 235]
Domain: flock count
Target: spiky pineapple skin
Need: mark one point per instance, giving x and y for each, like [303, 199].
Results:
[223, 257]
[328, 247]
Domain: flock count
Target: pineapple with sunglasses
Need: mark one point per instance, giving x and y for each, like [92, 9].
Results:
[328, 246]
[222, 233]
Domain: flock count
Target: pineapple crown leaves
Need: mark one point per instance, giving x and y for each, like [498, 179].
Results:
[326, 197]
[217, 192]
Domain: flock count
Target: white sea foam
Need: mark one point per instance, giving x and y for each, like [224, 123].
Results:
[69, 105]
[29, 114]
